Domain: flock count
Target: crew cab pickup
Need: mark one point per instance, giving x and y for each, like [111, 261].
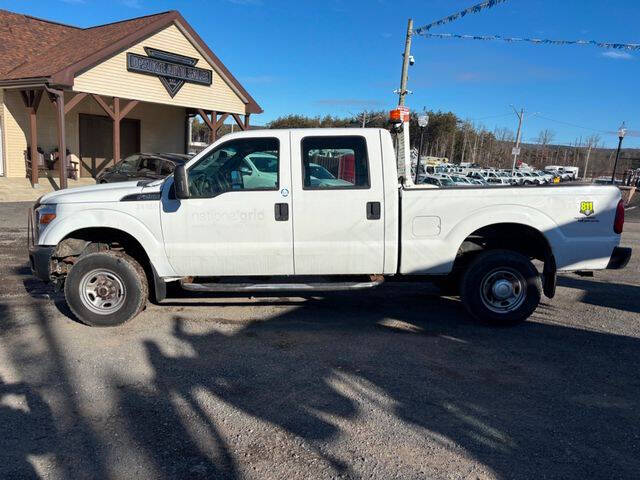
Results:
[326, 211]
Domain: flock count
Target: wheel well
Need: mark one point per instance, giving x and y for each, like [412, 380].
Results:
[88, 240]
[509, 236]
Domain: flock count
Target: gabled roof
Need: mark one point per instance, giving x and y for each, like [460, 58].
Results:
[32, 48]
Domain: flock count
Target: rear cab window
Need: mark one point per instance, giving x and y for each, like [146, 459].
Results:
[331, 163]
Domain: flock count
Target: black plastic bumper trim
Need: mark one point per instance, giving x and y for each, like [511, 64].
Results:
[619, 258]
[40, 260]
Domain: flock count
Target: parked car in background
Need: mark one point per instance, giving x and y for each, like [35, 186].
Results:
[460, 181]
[477, 182]
[499, 181]
[143, 166]
[437, 181]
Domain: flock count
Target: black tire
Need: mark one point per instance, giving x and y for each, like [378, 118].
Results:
[486, 279]
[117, 277]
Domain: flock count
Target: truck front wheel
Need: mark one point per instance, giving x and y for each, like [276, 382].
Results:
[105, 289]
[501, 287]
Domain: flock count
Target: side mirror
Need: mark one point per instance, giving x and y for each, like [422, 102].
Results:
[181, 182]
[244, 170]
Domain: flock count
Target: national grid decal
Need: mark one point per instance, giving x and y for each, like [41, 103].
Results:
[586, 208]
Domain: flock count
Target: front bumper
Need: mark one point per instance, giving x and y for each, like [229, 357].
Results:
[40, 261]
[619, 258]
[39, 255]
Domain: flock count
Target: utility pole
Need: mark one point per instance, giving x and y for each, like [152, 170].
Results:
[518, 136]
[405, 64]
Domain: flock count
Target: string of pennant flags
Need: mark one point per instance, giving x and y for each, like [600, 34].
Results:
[452, 18]
[540, 41]
[425, 31]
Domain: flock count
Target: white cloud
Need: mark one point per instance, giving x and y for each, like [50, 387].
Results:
[617, 55]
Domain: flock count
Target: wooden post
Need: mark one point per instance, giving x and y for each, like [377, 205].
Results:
[239, 121]
[212, 133]
[116, 115]
[33, 130]
[31, 99]
[57, 98]
[116, 130]
[62, 144]
[246, 121]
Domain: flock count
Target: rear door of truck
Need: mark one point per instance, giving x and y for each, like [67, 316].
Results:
[338, 202]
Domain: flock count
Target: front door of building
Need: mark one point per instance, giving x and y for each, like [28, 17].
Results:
[96, 142]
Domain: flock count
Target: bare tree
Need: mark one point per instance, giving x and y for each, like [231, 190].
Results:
[545, 137]
[592, 141]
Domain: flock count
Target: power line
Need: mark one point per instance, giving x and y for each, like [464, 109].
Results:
[575, 125]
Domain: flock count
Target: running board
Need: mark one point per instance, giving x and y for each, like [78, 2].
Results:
[279, 287]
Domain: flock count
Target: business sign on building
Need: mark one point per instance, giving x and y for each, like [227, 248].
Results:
[172, 69]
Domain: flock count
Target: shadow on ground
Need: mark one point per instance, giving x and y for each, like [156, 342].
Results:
[533, 401]
[611, 295]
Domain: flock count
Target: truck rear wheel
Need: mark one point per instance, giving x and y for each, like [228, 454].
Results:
[106, 289]
[501, 287]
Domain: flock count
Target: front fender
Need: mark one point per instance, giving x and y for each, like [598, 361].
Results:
[70, 222]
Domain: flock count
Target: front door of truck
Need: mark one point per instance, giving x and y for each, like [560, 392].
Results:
[338, 203]
[233, 224]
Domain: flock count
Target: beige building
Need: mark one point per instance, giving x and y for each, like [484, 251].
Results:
[105, 92]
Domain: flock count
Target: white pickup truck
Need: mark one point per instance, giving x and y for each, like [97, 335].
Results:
[326, 213]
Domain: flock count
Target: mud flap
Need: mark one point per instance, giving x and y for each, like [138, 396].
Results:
[549, 278]
[159, 287]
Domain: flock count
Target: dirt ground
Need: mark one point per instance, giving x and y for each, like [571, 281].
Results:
[393, 383]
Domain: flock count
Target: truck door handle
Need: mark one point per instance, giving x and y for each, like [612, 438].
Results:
[373, 210]
[282, 212]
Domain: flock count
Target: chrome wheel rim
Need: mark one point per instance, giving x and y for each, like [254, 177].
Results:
[102, 291]
[503, 290]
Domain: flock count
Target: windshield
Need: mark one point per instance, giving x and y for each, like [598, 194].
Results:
[446, 182]
[129, 164]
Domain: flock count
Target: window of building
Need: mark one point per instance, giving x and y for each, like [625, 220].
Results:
[334, 163]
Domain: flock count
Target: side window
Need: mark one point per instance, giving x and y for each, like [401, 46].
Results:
[334, 163]
[243, 164]
[166, 168]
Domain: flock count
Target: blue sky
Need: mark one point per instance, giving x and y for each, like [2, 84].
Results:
[342, 56]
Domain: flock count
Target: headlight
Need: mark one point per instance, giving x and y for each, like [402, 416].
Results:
[45, 214]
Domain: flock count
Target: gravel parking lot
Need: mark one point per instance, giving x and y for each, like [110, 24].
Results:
[393, 383]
